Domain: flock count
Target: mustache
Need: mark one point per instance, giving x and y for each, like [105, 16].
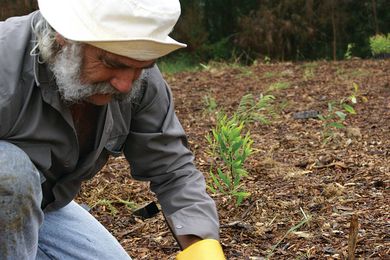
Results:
[67, 69]
[107, 88]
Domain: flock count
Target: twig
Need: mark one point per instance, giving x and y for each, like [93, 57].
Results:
[243, 216]
[304, 214]
[272, 221]
[353, 232]
[335, 164]
[238, 224]
[127, 232]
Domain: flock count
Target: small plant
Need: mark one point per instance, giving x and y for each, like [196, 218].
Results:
[106, 203]
[337, 113]
[231, 149]
[309, 70]
[380, 45]
[332, 120]
[129, 204]
[109, 204]
[267, 60]
[348, 53]
[210, 103]
[279, 86]
[245, 71]
[311, 65]
[270, 74]
[250, 110]
[308, 73]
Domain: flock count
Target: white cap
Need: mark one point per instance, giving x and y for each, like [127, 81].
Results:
[137, 29]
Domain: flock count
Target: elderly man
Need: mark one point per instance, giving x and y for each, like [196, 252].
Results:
[78, 82]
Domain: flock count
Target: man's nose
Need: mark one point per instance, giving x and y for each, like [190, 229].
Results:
[122, 80]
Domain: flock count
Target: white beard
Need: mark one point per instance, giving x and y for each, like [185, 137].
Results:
[67, 67]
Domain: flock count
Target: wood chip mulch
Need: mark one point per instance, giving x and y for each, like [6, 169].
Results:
[309, 199]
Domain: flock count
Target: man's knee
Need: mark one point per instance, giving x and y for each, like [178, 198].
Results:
[19, 179]
[20, 203]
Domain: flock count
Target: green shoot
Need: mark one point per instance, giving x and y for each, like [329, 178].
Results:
[249, 110]
[230, 148]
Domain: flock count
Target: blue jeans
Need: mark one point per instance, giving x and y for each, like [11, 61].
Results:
[26, 232]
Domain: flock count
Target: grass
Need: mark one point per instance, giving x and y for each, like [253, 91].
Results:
[271, 74]
[351, 74]
[109, 204]
[308, 73]
[306, 219]
[179, 63]
[210, 103]
[311, 65]
[187, 62]
[280, 85]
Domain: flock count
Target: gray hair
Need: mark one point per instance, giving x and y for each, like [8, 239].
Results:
[46, 45]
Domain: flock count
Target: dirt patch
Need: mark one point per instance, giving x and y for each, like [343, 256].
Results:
[293, 177]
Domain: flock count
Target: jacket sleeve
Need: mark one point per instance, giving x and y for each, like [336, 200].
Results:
[15, 70]
[156, 150]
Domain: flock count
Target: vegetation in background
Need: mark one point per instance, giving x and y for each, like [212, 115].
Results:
[380, 44]
[283, 30]
[10, 8]
[178, 63]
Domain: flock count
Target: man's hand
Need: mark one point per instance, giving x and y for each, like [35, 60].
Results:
[187, 240]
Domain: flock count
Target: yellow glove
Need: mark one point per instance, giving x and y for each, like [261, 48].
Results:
[207, 249]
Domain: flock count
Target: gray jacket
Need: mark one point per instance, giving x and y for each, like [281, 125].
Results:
[33, 117]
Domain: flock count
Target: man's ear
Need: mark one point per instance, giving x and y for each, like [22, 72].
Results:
[60, 39]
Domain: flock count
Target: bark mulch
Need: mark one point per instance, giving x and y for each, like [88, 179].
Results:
[309, 199]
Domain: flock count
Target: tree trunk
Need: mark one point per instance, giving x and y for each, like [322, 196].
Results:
[334, 29]
[374, 13]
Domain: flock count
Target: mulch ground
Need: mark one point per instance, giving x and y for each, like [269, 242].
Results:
[304, 192]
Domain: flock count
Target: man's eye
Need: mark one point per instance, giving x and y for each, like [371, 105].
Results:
[107, 65]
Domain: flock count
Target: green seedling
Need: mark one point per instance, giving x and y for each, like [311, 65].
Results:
[110, 205]
[267, 60]
[210, 103]
[230, 149]
[348, 53]
[279, 86]
[251, 110]
[271, 74]
[308, 73]
[106, 203]
[334, 119]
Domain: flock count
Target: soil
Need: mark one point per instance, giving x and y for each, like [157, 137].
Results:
[305, 192]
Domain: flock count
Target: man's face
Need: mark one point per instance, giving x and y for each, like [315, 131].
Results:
[86, 73]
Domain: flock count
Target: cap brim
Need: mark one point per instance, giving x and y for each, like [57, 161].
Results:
[139, 49]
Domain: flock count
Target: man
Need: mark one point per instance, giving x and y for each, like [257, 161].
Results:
[78, 82]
